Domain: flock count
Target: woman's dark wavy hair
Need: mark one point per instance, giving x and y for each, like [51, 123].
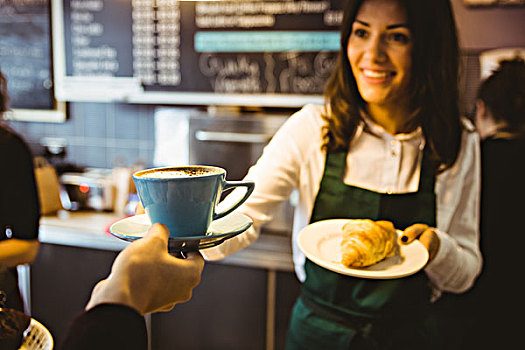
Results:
[433, 87]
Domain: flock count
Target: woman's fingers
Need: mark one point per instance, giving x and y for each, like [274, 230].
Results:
[426, 235]
[430, 240]
[413, 232]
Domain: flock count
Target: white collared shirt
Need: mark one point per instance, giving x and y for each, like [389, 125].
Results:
[393, 163]
[377, 161]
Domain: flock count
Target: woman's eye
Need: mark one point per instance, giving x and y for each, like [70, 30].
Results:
[399, 38]
[360, 33]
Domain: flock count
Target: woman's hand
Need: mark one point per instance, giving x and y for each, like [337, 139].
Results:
[426, 235]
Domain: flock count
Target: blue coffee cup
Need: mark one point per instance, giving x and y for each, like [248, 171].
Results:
[185, 198]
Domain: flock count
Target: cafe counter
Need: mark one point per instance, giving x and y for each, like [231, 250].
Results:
[242, 302]
[90, 230]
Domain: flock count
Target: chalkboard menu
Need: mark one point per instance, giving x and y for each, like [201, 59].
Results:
[195, 52]
[25, 53]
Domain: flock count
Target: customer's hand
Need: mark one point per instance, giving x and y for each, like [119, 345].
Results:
[139, 209]
[426, 235]
[147, 278]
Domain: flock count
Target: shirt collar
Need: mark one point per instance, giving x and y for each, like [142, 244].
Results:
[377, 130]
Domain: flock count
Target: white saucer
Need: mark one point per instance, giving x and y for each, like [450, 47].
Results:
[135, 227]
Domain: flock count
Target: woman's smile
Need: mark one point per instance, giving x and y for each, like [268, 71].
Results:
[377, 76]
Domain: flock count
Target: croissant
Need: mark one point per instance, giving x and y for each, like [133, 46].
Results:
[366, 242]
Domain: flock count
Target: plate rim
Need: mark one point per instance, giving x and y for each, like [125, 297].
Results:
[343, 270]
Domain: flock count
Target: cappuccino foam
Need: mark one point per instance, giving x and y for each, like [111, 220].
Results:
[177, 173]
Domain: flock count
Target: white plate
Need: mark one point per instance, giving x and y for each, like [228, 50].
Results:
[321, 241]
[135, 227]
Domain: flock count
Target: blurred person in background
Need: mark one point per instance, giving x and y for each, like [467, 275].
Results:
[497, 297]
[500, 120]
[144, 277]
[19, 212]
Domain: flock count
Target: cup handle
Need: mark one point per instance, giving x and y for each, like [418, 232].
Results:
[250, 185]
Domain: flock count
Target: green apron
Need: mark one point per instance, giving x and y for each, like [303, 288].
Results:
[336, 311]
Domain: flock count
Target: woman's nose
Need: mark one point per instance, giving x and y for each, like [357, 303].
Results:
[375, 49]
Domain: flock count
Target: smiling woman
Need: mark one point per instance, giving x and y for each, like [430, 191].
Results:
[388, 145]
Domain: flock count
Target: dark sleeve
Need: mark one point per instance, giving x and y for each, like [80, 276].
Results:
[107, 326]
[19, 205]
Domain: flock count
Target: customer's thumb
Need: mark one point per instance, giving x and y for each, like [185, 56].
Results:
[160, 232]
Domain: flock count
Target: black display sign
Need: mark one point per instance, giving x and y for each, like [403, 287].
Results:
[154, 49]
[25, 53]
